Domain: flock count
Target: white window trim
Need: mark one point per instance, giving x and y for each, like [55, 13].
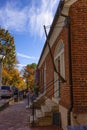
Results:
[59, 54]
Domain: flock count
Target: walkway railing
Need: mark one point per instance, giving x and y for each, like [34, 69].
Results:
[49, 92]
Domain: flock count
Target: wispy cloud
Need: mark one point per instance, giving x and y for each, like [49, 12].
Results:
[28, 18]
[11, 17]
[21, 65]
[40, 16]
[26, 56]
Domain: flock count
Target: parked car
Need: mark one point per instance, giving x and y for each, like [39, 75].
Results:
[6, 91]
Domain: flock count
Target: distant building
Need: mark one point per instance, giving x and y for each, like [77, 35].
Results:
[68, 43]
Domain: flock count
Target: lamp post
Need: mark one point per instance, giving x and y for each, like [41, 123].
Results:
[2, 56]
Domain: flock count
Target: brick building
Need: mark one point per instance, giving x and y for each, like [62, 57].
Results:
[66, 49]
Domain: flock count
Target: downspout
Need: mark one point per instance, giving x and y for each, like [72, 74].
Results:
[70, 69]
[70, 72]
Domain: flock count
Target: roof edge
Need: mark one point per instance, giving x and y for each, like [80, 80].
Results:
[57, 14]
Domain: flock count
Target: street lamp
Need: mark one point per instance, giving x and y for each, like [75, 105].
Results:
[2, 56]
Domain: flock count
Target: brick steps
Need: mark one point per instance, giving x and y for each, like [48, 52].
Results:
[44, 121]
[41, 121]
[37, 103]
[43, 114]
[40, 128]
[55, 100]
[39, 113]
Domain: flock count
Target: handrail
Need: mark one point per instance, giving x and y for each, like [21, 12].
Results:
[54, 92]
[47, 84]
[50, 89]
[52, 82]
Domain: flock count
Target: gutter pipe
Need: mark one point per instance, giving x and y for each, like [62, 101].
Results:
[70, 69]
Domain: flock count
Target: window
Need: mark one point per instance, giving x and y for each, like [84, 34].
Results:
[59, 57]
[60, 66]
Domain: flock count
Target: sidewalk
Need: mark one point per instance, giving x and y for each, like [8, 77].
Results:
[3, 104]
[41, 128]
[15, 117]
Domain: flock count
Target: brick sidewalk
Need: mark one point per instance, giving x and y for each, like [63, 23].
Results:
[15, 117]
[41, 128]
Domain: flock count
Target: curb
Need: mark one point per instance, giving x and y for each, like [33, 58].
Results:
[5, 103]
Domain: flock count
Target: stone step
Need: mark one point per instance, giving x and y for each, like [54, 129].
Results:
[36, 105]
[31, 119]
[39, 113]
[38, 102]
[40, 99]
[49, 114]
[43, 116]
[56, 100]
[55, 108]
[45, 108]
[50, 103]
[41, 128]
[44, 121]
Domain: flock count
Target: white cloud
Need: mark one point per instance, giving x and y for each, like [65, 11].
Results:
[26, 56]
[42, 15]
[12, 18]
[29, 19]
[20, 65]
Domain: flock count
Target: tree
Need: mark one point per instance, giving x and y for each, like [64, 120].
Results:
[13, 78]
[33, 65]
[8, 47]
[28, 74]
[11, 75]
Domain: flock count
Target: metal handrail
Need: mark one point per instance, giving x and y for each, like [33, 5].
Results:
[49, 84]
[50, 89]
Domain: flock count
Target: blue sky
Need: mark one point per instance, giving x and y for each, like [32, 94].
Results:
[25, 19]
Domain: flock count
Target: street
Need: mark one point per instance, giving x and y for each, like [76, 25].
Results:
[15, 117]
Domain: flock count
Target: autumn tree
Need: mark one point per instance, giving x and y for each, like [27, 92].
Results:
[8, 47]
[28, 74]
[10, 75]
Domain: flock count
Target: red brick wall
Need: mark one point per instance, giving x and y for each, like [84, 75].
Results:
[64, 87]
[49, 75]
[41, 81]
[78, 13]
[50, 70]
